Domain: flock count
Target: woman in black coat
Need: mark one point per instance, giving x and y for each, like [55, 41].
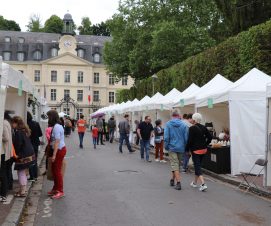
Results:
[24, 152]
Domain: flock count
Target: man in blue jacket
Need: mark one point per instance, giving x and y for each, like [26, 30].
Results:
[175, 139]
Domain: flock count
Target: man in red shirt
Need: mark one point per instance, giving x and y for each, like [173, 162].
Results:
[81, 126]
[95, 133]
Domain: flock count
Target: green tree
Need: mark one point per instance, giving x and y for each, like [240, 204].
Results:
[53, 25]
[35, 24]
[8, 25]
[85, 28]
[101, 29]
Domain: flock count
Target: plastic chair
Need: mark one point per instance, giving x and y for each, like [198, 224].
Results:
[250, 178]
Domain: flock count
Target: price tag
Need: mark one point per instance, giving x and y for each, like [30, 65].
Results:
[210, 103]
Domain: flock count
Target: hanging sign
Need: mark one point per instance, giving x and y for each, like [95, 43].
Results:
[210, 103]
[182, 103]
[20, 88]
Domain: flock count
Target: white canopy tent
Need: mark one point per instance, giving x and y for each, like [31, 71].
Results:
[268, 149]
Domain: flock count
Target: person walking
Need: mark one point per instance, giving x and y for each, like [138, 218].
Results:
[159, 141]
[111, 128]
[24, 152]
[68, 126]
[59, 151]
[95, 135]
[175, 139]
[124, 130]
[145, 132]
[198, 140]
[5, 158]
[99, 124]
[81, 127]
[187, 118]
[36, 133]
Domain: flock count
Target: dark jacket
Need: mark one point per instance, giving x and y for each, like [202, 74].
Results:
[199, 138]
[111, 124]
[36, 133]
[23, 149]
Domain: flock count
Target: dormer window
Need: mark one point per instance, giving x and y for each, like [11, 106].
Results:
[37, 55]
[54, 52]
[6, 56]
[97, 58]
[7, 39]
[21, 40]
[20, 56]
[80, 53]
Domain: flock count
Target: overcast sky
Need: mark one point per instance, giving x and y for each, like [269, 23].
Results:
[21, 10]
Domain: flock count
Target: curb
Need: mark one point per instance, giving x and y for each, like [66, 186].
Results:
[16, 211]
[223, 178]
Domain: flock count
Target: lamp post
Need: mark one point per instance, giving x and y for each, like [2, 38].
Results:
[154, 78]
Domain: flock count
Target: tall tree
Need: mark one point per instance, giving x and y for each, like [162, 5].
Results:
[35, 24]
[101, 29]
[53, 25]
[85, 28]
[8, 25]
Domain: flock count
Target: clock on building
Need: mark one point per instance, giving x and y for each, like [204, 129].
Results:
[67, 43]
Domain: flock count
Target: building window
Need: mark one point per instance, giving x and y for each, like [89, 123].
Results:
[54, 52]
[66, 93]
[79, 95]
[81, 53]
[111, 97]
[53, 94]
[6, 56]
[96, 96]
[67, 77]
[79, 112]
[80, 77]
[125, 81]
[66, 111]
[37, 75]
[21, 40]
[111, 79]
[96, 58]
[7, 39]
[96, 78]
[37, 55]
[20, 56]
[53, 76]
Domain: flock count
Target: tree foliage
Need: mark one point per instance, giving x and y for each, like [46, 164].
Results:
[85, 28]
[8, 25]
[101, 29]
[53, 25]
[35, 24]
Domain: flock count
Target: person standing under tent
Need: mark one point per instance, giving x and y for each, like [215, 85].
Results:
[81, 127]
[111, 128]
[124, 130]
[175, 139]
[187, 118]
[99, 124]
[145, 132]
[198, 140]
[159, 141]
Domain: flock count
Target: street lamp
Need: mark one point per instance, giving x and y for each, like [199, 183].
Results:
[154, 78]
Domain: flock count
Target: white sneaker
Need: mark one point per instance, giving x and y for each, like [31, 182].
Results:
[163, 161]
[203, 187]
[193, 185]
[156, 160]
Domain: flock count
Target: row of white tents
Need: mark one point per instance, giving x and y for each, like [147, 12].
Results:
[15, 90]
[240, 106]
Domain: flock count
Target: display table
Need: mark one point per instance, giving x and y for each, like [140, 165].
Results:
[218, 160]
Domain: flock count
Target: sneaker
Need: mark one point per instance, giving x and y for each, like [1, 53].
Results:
[172, 183]
[178, 186]
[51, 193]
[3, 199]
[58, 195]
[148, 160]
[184, 170]
[156, 160]
[31, 179]
[132, 151]
[203, 187]
[163, 161]
[193, 185]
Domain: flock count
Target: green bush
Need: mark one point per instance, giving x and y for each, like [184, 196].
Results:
[232, 58]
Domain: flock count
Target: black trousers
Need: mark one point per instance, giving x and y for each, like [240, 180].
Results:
[9, 164]
[3, 177]
[33, 169]
[100, 137]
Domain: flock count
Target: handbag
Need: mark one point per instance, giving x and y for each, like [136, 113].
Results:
[50, 175]
[49, 151]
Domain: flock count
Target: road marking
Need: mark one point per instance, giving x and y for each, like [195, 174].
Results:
[47, 210]
[9, 199]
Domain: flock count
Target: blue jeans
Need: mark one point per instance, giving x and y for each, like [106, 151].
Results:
[81, 138]
[111, 134]
[145, 147]
[124, 136]
[186, 158]
[95, 140]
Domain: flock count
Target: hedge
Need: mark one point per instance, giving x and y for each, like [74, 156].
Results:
[232, 58]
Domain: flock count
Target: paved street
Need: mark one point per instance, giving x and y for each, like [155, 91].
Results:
[104, 188]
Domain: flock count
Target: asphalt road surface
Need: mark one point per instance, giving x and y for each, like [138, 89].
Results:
[106, 188]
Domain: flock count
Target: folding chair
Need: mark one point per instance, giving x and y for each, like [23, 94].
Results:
[250, 178]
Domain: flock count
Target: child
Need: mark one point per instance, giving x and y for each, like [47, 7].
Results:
[159, 141]
[95, 132]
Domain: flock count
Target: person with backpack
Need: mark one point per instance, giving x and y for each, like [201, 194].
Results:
[111, 128]
[159, 141]
[198, 140]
